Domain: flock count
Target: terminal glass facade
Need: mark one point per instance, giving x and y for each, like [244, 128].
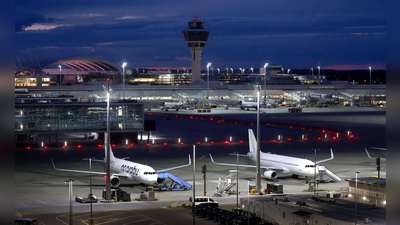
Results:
[48, 117]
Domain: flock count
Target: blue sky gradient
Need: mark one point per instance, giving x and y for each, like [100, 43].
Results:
[243, 34]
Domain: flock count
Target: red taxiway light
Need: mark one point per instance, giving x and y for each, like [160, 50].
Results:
[148, 144]
[99, 145]
[131, 144]
[334, 138]
[305, 139]
[78, 146]
[181, 143]
[198, 142]
[45, 147]
[289, 139]
[113, 145]
[29, 147]
[319, 138]
[351, 136]
[63, 146]
[241, 141]
[165, 143]
[226, 142]
[212, 142]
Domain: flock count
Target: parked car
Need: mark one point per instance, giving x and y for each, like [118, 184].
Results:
[89, 199]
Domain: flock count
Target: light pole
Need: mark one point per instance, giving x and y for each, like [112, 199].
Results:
[90, 195]
[107, 139]
[315, 170]
[208, 79]
[69, 181]
[258, 175]
[232, 70]
[252, 70]
[265, 79]
[123, 79]
[218, 70]
[319, 78]
[355, 205]
[237, 180]
[312, 71]
[59, 82]
[288, 71]
[370, 86]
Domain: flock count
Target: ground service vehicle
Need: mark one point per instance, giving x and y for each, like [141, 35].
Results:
[295, 110]
[202, 200]
[26, 221]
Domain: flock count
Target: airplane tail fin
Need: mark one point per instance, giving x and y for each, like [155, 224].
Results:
[252, 143]
[105, 147]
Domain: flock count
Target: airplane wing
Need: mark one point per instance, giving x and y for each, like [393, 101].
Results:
[383, 149]
[77, 171]
[241, 165]
[369, 156]
[88, 172]
[324, 160]
[176, 167]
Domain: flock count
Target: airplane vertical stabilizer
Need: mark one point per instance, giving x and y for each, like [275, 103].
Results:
[252, 143]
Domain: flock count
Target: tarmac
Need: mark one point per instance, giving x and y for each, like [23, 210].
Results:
[41, 191]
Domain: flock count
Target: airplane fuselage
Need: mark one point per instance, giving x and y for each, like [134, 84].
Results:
[133, 171]
[287, 164]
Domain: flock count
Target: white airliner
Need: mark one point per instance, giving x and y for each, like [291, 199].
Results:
[132, 171]
[274, 164]
[172, 105]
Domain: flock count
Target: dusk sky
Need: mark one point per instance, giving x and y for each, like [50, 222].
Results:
[243, 34]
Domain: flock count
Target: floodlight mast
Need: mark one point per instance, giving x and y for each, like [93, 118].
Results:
[258, 170]
[107, 88]
[123, 79]
[208, 79]
[265, 78]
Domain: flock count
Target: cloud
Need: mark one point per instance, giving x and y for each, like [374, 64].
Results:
[24, 19]
[130, 17]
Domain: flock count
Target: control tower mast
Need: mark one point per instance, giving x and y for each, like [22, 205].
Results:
[196, 38]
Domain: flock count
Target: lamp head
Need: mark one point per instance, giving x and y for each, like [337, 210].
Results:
[124, 64]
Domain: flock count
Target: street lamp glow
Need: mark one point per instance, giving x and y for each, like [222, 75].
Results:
[208, 79]
[232, 70]
[218, 70]
[252, 70]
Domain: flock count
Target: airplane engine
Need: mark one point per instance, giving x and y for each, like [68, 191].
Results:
[269, 174]
[114, 181]
[160, 180]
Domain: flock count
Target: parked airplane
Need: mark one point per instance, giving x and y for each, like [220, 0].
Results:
[172, 105]
[132, 171]
[272, 163]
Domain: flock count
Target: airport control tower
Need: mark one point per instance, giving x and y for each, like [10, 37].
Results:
[196, 38]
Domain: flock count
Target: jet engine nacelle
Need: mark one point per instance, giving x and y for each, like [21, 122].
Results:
[269, 174]
[114, 180]
[160, 180]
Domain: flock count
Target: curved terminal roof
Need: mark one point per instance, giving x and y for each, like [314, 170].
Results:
[86, 65]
